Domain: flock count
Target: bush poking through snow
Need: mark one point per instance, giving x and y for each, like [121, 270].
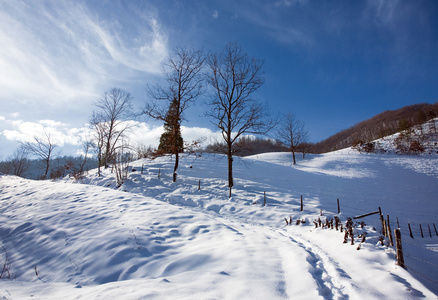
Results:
[6, 270]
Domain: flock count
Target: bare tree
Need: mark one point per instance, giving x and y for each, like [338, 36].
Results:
[234, 78]
[292, 134]
[17, 164]
[87, 145]
[183, 86]
[98, 139]
[42, 147]
[305, 148]
[114, 109]
[121, 165]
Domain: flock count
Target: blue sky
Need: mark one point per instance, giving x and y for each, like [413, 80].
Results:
[332, 63]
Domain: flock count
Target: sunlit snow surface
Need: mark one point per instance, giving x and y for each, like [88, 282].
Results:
[154, 239]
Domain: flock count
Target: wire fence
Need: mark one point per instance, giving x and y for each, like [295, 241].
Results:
[420, 243]
[419, 249]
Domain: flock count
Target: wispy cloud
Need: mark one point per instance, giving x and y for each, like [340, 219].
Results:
[275, 21]
[59, 51]
[287, 3]
[383, 10]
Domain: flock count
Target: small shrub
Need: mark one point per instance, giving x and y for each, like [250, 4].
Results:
[416, 147]
[6, 270]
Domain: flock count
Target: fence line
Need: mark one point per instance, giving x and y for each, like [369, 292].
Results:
[409, 241]
[403, 227]
[407, 254]
[415, 228]
[353, 208]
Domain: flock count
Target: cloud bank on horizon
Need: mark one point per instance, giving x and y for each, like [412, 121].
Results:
[332, 64]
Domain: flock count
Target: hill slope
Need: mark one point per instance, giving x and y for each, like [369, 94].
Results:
[379, 126]
[154, 239]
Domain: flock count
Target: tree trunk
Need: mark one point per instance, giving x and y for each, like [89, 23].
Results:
[293, 155]
[108, 145]
[230, 170]
[47, 168]
[176, 166]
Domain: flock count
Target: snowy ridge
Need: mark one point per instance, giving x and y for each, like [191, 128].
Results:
[154, 239]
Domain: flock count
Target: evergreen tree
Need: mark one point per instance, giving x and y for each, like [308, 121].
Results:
[171, 141]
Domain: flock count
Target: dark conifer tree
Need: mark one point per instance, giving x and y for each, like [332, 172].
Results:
[171, 141]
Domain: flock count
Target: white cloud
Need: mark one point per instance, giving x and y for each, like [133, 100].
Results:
[215, 14]
[62, 51]
[197, 133]
[64, 135]
[60, 133]
[148, 135]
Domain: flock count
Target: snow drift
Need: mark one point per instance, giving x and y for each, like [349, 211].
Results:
[154, 239]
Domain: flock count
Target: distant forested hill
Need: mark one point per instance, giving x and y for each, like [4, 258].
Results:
[381, 125]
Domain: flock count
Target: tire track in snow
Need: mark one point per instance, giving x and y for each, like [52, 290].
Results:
[300, 270]
[324, 272]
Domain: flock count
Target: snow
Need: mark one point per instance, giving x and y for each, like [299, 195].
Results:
[154, 239]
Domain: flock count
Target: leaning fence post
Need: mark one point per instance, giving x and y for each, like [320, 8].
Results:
[398, 224]
[410, 230]
[435, 229]
[391, 243]
[385, 228]
[398, 246]
[430, 232]
[301, 202]
[339, 208]
[381, 220]
[421, 230]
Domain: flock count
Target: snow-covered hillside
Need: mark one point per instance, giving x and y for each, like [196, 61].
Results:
[417, 140]
[154, 239]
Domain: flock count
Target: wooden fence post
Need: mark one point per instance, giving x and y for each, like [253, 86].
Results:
[391, 243]
[383, 223]
[435, 229]
[385, 226]
[199, 185]
[159, 173]
[421, 230]
[264, 198]
[430, 232]
[142, 168]
[398, 246]
[410, 230]
[339, 208]
[398, 224]
[301, 202]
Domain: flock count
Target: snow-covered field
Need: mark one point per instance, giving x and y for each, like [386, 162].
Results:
[154, 239]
